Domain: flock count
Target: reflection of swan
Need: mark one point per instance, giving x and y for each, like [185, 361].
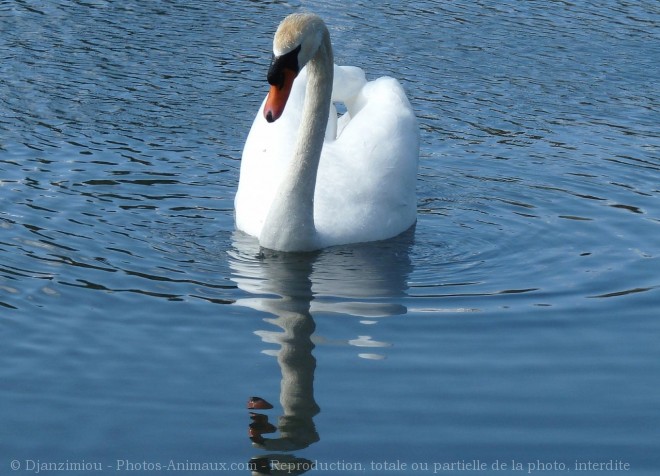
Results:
[365, 280]
[309, 182]
[359, 280]
[356, 280]
[295, 357]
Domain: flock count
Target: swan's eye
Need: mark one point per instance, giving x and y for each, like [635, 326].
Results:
[279, 64]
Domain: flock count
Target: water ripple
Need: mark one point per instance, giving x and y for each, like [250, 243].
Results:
[524, 302]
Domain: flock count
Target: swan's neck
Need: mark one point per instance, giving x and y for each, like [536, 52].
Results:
[289, 224]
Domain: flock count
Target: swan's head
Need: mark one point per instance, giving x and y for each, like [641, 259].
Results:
[297, 40]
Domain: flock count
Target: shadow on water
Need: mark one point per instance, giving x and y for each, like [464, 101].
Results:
[360, 280]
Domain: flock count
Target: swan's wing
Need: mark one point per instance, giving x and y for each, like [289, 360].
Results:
[366, 183]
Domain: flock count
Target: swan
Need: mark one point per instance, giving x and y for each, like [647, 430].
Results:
[310, 179]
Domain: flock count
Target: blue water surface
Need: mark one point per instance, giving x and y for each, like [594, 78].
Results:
[516, 326]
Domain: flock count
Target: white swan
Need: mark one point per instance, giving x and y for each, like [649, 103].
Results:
[311, 180]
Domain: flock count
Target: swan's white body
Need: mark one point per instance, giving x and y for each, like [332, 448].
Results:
[310, 179]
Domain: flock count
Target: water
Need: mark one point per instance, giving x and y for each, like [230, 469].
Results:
[516, 324]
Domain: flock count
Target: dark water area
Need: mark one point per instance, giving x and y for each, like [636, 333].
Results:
[518, 322]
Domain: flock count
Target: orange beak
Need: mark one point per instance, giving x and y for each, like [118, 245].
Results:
[278, 96]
